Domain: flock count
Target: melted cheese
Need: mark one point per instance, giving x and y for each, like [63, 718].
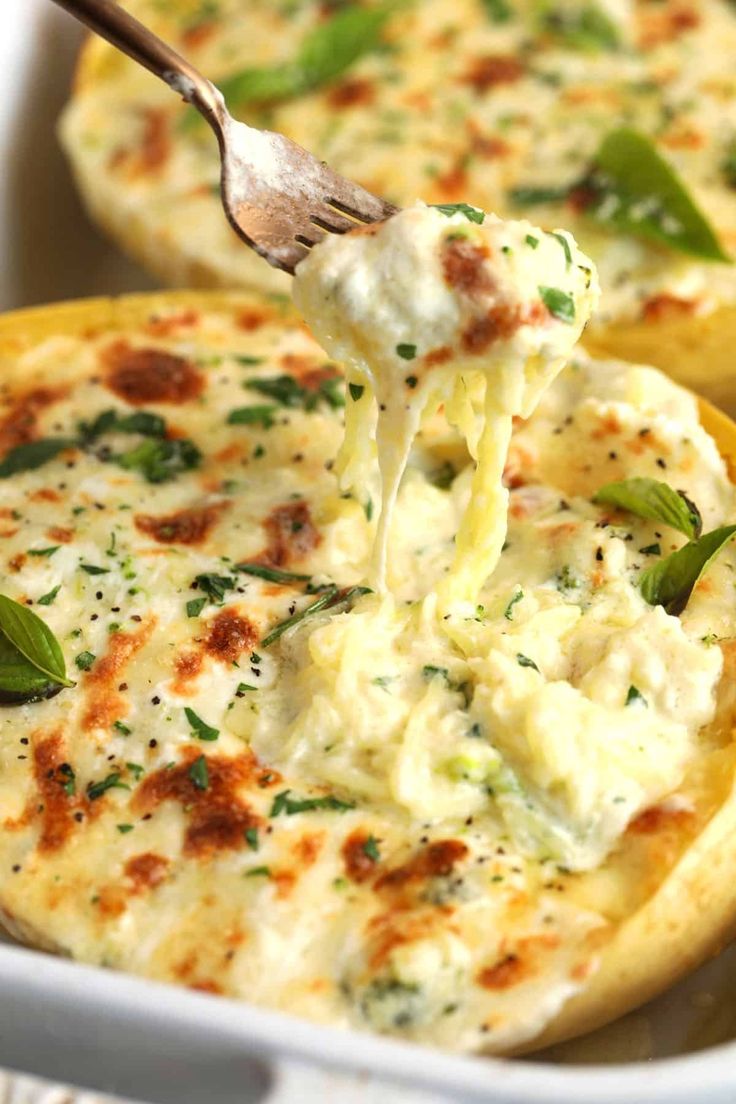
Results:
[427, 890]
[428, 310]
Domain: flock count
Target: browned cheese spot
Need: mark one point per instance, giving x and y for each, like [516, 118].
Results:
[507, 972]
[436, 860]
[230, 635]
[141, 376]
[218, 816]
[492, 69]
[291, 533]
[359, 866]
[192, 526]
[55, 806]
[146, 871]
[105, 704]
[19, 419]
[353, 92]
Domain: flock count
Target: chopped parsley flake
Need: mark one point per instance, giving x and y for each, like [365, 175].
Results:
[258, 872]
[195, 606]
[85, 660]
[48, 599]
[95, 790]
[356, 391]
[201, 729]
[472, 214]
[558, 303]
[370, 849]
[524, 661]
[635, 697]
[199, 774]
[251, 838]
[406, 352]
[259, 414]
[509, 611]
[285, 803]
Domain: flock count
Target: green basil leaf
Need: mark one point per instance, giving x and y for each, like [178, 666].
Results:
[670, 582]
[584, 27]
[33, 455]
[20, 681]
[498, 11]
[33, 641]
[635, 190]
[648, 498]
[325, 54]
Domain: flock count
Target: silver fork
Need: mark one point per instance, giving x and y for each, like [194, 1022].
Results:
[278, 197]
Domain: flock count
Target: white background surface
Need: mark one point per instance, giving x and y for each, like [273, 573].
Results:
[50, 252]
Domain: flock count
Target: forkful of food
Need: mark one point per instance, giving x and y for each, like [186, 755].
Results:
[426, 307]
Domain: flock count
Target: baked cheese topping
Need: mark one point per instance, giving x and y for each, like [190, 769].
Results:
[268, 784]
[504, 104]
[445, 307]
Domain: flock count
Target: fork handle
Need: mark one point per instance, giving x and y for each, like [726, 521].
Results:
[112, 22]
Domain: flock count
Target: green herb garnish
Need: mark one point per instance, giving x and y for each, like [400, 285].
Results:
[655, 501]
[31, 660]
[635, 697]
[201, 729]
[198, 773]
[559, 303]
[584, 27]
[214, 586]
[636, 191]
[370, 849]
[285, 803]
[324, 55]
[159, 461]
[33, 455]
[670, 581]
[331, 596]
[472, 214]
[271, 574]
[92, 569]
[524, 661]
[195, 606]
[95, 790]
[509, 611]
[287, 392]
[406, 352]
[85, 660]
[49, 598]
[356, 391]
[260, 414]
[251, 838]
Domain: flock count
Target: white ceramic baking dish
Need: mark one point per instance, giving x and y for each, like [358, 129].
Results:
[157, 1044]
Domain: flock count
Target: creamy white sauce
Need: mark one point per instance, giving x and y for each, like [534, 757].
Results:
[428, 310]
